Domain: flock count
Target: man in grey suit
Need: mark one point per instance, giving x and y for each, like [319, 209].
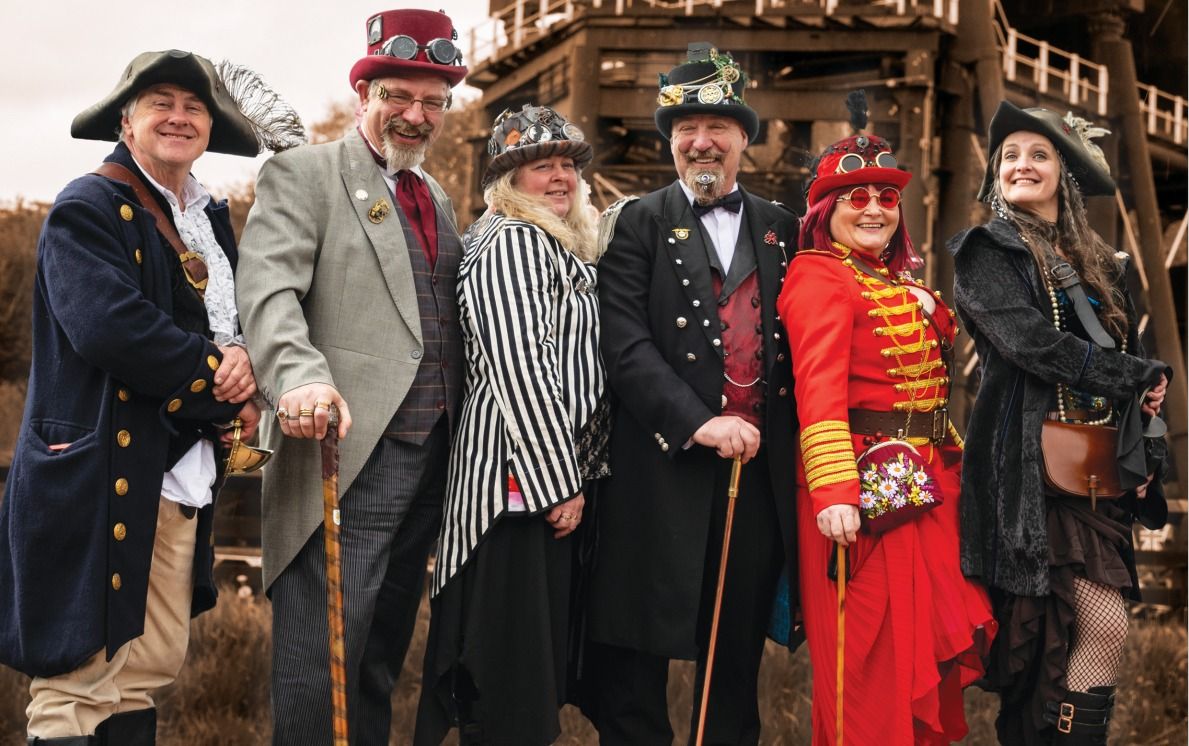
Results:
[346, 286]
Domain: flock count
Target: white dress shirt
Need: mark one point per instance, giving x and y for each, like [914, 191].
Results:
[722, 226]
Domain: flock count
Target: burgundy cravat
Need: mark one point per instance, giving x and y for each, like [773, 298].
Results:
[413, 195]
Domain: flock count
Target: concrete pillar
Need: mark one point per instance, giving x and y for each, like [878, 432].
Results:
[1116, 53]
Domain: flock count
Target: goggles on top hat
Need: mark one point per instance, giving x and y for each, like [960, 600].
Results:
[441, 51]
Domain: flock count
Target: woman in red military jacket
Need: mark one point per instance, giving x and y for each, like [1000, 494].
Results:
[868, 345]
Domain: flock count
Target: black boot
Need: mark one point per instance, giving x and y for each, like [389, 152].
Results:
[1084, 718]
[135, 728]
[63, 741]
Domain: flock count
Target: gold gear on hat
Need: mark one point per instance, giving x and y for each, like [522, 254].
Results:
[730, 73]
[710, 94]
[671, 95]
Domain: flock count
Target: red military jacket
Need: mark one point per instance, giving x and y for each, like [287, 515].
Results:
[858, 341]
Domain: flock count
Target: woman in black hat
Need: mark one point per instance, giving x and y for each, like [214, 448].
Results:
[496, 659]
[1055, 331]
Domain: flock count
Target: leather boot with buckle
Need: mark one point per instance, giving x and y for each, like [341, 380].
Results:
[135, 728]
[1084, 718]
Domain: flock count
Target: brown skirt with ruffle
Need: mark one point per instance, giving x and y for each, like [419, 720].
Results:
[1030, 656]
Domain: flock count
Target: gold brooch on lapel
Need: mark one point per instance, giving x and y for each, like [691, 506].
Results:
[379, 211]
[681, 233]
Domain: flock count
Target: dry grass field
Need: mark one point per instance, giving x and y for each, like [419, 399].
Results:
[221, 698]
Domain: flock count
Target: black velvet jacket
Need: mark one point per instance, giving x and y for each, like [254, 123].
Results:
[1002, 302]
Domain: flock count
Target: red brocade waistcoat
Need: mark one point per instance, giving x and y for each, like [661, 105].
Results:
[743, 350]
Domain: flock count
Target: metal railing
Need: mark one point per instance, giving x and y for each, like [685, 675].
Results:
[1083, 83]
[525, 21]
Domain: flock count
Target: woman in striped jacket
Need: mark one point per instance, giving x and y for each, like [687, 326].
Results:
[495, 662]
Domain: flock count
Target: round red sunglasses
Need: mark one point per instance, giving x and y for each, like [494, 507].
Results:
[859, 198]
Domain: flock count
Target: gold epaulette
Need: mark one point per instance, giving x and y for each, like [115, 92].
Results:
[829, 453]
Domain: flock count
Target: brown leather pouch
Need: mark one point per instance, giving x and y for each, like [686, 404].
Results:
[1080, 460]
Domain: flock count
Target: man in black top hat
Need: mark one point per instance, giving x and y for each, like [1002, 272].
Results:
[696, 360]
[137, 363]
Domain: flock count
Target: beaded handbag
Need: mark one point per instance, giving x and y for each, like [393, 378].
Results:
[895, 486]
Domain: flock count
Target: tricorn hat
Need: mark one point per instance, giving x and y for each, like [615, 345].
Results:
[410, 42]
[855, 160]
[1070, 135]
[231, 132]
[533, 132]
[710, 82]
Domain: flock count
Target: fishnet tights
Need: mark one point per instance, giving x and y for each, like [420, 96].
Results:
[1099, 631]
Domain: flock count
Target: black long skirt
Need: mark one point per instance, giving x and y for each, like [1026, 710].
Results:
[1031, 654]
[496, 657]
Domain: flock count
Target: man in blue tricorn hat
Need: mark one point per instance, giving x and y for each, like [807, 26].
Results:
[696, 360]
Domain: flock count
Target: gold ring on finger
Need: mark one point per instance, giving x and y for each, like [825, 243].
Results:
[322, 405]
[306, 412]
[282, 414]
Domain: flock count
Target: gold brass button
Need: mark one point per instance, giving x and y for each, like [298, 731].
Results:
[119, 531]
[116, 582]
[174, 405]
[123, 395]
[212, 362]
[198, 386]
[121, 486]
[126, 213]
[139, 256]
[124, 438]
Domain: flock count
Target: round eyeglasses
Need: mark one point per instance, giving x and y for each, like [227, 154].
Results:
[853, 162]
[888, 198]
[441, 51]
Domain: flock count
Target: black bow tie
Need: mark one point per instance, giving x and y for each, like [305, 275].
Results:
[732, 202]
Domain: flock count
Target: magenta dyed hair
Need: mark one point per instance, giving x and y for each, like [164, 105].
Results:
[815, 231]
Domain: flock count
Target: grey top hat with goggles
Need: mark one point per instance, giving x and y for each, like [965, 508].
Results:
[247, 116]
[710, 82]
[1070, 135]
[532, 133]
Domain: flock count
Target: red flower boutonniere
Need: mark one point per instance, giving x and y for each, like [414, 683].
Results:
[770, 238]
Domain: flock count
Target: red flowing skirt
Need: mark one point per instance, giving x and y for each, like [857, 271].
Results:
[916, 630]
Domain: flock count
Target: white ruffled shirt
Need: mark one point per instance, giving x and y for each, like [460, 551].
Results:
[190, 480]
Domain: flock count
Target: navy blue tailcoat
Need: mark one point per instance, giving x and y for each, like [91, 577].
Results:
[115, 377]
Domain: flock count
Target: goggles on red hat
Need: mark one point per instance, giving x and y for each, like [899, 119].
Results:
[854, 161]
[441, 51]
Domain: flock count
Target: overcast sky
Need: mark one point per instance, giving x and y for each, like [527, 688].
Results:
[61, 56]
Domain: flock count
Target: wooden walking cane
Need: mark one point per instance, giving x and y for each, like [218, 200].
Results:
[841, 642]
[334, 577]
[732, 493]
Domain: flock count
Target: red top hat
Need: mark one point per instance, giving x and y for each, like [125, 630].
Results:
[858, 160]
[410, 42]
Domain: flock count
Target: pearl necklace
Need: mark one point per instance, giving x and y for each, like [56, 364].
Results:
[1062, 389]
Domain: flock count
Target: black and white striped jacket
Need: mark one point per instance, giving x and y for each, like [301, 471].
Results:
[530, 323]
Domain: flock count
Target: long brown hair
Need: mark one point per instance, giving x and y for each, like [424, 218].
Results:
[1089, 255]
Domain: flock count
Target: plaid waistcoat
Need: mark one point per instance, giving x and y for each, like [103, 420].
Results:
[437, 386]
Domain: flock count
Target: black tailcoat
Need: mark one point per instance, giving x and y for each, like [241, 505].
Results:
[115, 376]
[666, 378]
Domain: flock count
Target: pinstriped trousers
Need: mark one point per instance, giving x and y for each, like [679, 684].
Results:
[390, 516]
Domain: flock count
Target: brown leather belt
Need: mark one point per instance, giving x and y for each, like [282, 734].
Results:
[933, 426]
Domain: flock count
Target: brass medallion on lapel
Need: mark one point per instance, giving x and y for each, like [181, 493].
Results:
[379, 211]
